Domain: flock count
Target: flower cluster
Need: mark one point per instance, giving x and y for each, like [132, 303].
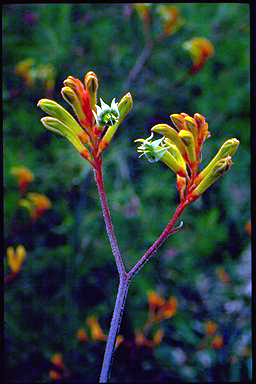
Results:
[169, 16]
[24, 176]
[31, 73]
[200, 49]
[172, 20]
[212, 337]
[59, 371]
[36, 203]
[180, 149]
[159, 309]
[95, 331]
[96, 125]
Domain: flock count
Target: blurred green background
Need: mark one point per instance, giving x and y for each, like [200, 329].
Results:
[69, 273]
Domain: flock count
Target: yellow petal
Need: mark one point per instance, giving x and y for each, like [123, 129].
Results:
[172, 135]
[188, 139]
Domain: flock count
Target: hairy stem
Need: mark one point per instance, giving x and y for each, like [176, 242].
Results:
[154, 247]
[108, 221]
[114, 328]
[125, 277]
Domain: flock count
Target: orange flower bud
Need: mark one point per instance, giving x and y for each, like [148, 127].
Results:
[97, 333]
[24, 175]
[218, 342]
[81, 335]
[210, 327]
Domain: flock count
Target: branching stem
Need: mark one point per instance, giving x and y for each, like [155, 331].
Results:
[125, 277]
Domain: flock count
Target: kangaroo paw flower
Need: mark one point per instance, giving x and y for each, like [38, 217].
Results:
[94, 126]
[180, 148]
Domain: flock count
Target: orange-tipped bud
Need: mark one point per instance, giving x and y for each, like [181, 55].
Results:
[178, 121]
[91, 84]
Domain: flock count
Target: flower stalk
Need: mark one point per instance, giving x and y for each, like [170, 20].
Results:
[180, 148]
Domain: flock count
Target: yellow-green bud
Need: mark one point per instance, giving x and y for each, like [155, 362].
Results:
[173, 164]
[188, 139]
[174, 151]
[57, 111]
[58, 127]
[229, 148]
[124, 106]
[213, 175]
[72, 99]
[171, 134]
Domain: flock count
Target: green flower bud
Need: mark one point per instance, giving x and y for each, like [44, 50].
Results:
[58, 112]
[124, 106]
[218, 169]
[58, 127]
[229, 148]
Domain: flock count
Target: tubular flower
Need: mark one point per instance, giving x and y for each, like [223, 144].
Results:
[37, 204]
[81, 335]
[159, 308]
[218, 342]
[200, 49]
[142, 341]
[94, 126]
[143, 10]
[172, 20]
[25, 177]
[180, 149]
[57, 360]
[16, 258]
[97, 333]
[30, 73]
[210, 327]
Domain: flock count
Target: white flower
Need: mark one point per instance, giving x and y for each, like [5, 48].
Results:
[106, 115]
[153, 150]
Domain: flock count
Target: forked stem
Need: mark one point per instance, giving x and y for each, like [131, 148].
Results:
[125, 277]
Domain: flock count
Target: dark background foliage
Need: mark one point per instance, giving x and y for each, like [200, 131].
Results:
[69, 272]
